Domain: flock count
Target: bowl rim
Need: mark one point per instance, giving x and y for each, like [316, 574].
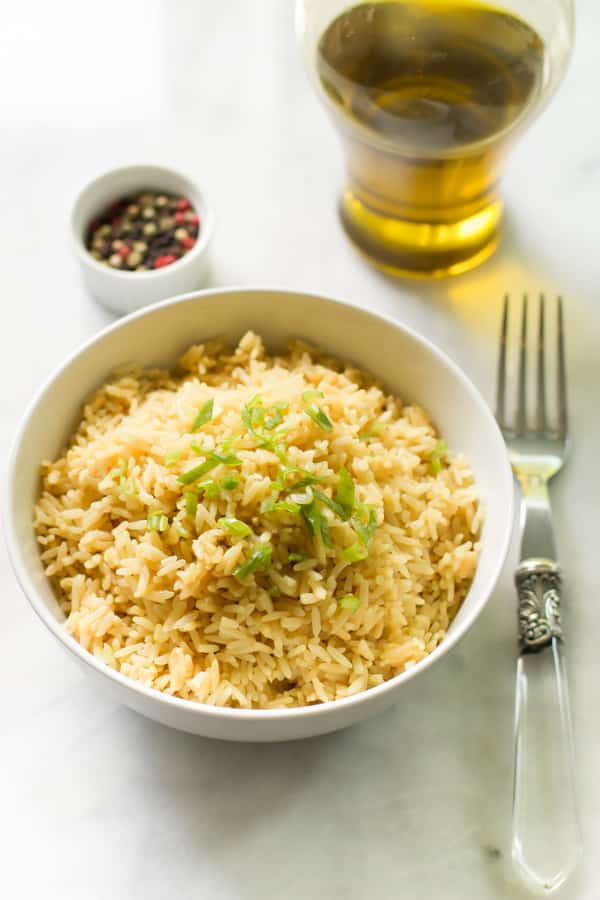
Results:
[205, 233]
[192, 707]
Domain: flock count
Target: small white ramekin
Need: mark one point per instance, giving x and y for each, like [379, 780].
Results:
[126, 292]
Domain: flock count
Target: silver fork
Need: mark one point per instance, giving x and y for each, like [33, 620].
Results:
[546, 842]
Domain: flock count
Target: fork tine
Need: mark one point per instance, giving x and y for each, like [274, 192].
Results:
[521, 420]
[562, 374]
[501, 378]
[541, 423]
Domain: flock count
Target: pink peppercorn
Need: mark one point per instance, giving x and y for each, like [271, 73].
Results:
[179, 218]
[124, 251]
[183, 204]
[188, 242]
[192, 219]
[165, 260]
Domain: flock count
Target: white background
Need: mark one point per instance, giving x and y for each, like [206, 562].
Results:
[98, 803]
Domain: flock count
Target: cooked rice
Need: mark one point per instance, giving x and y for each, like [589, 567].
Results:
[168, 611]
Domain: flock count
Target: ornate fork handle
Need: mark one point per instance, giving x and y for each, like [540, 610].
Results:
[539, 584]
[546, 841]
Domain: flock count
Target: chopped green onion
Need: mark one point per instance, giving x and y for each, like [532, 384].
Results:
[253, 415]
[309, 396]
[225, 457]
[345, 495]
[268, 504]
[280, 450]
[171, 457]
[205, 414]
[304, 482]
[229, 482]
[332, 504]
[234, 526]
[349, 602]
[209, 488]
[296, 557]
[258, 420]
[181, 531]
[191, 502]
[325, 532]
[437, 454]
[355, 553]
[213, 459]
[260, 558]
[275, 415]
[287, 506]
[230, 442]
[198, 471]
[365, 523]
[157, 521]
[316, 522]
[319, 417]
[128, 486]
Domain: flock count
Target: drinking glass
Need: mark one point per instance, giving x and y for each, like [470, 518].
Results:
[428, 97]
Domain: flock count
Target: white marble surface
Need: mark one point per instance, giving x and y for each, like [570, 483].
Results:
[99, 803]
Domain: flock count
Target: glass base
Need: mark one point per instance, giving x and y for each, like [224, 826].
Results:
[420, 249]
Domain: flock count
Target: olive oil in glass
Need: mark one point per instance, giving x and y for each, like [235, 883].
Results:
[428, 97]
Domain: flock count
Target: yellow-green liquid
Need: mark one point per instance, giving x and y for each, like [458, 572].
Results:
[427, 95]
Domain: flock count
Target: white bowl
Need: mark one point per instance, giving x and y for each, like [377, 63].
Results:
[126, 292]
[407, 363]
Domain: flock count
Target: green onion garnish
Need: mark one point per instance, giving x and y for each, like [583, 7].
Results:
[349, 602]
[191, 502]
[157, 521]
[345, 495]
[198, 471]
[296, 557]
[225, 457]
[319, 417]
[273, 505]
[258, 420]
[171, 457]
[229, 482]
[234, 526]
[268, 504]
[287, 506]
[209, 488]
[205, 414]
[437, 454]
[365, 523]
[280, 450]
[253, 415]
[214, 458]
[355, 553]
[333, 505]
[275, 415]
[304, 482]
[128, 486]
[309, 396]
[181, 531]
[316, 522]
[258, 559]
